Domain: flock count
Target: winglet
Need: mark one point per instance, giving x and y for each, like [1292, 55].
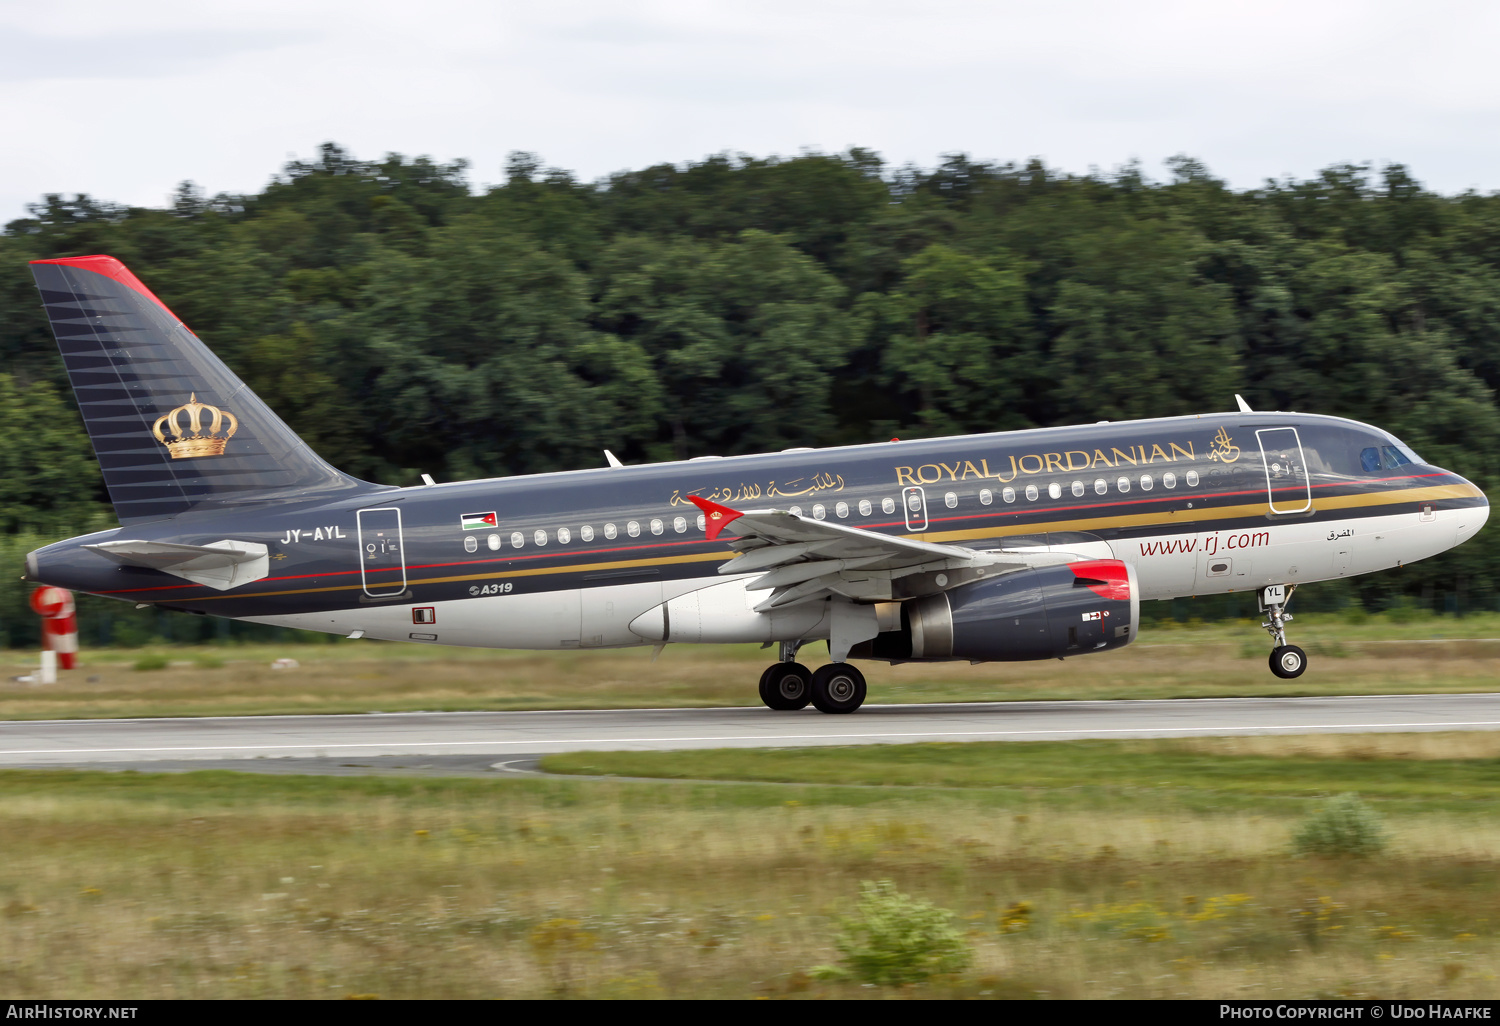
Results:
[716, 517]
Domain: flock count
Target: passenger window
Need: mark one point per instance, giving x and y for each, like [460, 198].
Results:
[633, 529]
[610, 531]
[564, 536]
[914, 502]
[986, 496]
[1054, 490]
[1123, 484]
[818, 511]
[1078, 489]
[586, 532]
[1031, 493]
[517, 539]
[842, 509]
[1009, 494]
[656, 527]
[540, 537]
[795, 511]
[1146, 482]
[471, 544]
[865, 509]
[702, 522]
[1169, 480]
[679, 525]
[493, 541]
[888, 505]
[1101, 487]
[1192, 478]
[950, 500]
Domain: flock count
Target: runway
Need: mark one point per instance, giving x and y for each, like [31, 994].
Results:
[475, 742]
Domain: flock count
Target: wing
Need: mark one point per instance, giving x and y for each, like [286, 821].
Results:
[803, 560]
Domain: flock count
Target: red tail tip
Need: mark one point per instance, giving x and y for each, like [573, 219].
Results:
[110, 268]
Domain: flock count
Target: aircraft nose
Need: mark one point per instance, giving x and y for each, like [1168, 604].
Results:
[1473, 518]
[1470, 519]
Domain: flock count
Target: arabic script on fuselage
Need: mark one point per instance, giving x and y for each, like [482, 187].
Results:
[744, 491]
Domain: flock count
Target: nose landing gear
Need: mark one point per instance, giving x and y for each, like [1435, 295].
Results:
[1287, 661]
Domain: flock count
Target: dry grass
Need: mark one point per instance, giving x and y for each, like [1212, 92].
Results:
[219, 885]
[1436, 745]
[1219, 661]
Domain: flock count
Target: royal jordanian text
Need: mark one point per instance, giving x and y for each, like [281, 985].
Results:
[1033, 463]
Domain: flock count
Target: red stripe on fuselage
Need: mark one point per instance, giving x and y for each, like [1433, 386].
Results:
[893, 524]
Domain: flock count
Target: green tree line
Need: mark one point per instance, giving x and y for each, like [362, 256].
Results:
[403, 322]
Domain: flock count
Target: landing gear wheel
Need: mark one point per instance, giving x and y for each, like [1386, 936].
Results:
[786, 686]
[1288, 661]
[838, 688]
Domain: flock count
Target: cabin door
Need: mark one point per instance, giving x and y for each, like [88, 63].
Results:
[382, 556]
[1288, 488]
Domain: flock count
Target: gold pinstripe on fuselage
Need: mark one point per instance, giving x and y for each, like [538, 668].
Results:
[1177, 521]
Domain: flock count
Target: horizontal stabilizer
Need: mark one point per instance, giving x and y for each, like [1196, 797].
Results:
[221, 565]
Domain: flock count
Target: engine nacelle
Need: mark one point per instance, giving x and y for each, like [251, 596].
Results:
[1043, 613]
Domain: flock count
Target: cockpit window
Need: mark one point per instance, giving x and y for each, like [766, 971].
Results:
[1385, 457]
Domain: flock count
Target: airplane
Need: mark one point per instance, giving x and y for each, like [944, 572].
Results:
[1033, 544]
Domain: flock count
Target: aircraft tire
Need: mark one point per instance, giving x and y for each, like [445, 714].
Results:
[1288, 661]
[786, 686]
[838, 688]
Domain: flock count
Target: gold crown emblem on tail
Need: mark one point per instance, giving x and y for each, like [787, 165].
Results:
[190, 437]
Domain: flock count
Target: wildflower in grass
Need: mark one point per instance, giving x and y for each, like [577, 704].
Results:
[1016, 918]
[1344, 827]
[1221, 907]
[1318, 918]
[1136, 920]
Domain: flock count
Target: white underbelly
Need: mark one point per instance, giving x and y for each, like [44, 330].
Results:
[1286, 552]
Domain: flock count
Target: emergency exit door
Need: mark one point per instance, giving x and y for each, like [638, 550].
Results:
[914, 505]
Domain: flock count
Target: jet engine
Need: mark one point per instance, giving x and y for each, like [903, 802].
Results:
[1040, 613]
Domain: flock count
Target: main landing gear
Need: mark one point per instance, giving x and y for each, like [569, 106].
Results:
[835, 688]
[1287, 661]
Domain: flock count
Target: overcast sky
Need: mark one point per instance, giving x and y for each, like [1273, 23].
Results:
[124, 100]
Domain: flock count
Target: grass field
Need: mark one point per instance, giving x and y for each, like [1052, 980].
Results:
[1088, 869]
[1375, 656]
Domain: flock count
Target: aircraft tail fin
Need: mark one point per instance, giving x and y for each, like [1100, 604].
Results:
[174, 429]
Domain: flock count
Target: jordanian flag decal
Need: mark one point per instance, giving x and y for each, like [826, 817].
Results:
[477, 521]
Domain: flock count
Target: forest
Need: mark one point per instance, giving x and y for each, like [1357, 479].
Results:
[405, 323]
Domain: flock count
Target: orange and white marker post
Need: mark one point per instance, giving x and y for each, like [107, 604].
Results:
[59, 631]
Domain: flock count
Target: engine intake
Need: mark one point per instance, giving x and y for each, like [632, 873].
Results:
[1043, 613]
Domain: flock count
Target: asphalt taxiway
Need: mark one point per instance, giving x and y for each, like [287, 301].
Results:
[482, 742]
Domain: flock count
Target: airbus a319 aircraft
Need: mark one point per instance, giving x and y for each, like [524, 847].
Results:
[1034, 544]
